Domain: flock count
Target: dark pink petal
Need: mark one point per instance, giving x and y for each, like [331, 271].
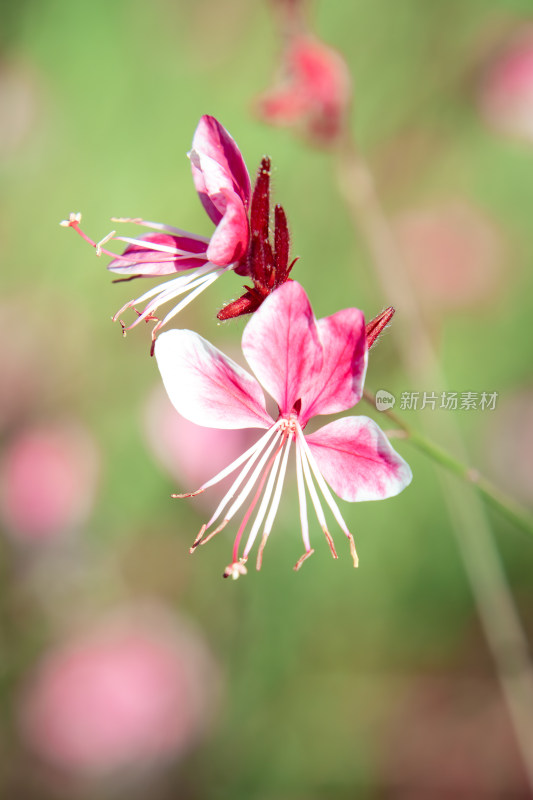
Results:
[207, 387]
[212, 144]
[357, 460]
[141, 259]
[229, 242]
[340, 382]
[282, 345]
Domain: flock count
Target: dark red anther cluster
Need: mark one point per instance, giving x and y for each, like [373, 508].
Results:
[266, 264]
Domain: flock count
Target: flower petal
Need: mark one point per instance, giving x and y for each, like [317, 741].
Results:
[207, 387]
[340, 382]
[282, 345]
[358, 461]
[215, 154]
[142, 259]
[230, 239]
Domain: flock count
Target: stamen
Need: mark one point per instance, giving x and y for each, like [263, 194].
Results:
[302, 559]
[169, 290]
[235, 570]
[275, 504]
[197, 540]
[271, 468]
[315, 500]
[329, 498]
[200, 285]
[248, 486]
[255, 448]
[264, 502]
[74, 222]
[103, 241]
[302, 498]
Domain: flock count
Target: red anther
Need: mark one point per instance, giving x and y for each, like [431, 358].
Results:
[246, 304]
[375, 327]
[260, 207]
[281, 244]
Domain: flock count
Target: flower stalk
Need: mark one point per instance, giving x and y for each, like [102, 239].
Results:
[493, 496]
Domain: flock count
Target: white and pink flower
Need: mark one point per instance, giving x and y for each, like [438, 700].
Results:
[240, 241]
[309, 368]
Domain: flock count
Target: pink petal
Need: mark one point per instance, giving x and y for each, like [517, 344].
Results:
[340, 382]
[211, 145]
[282, 345]
[229, 242]
[357, 460]
[206, 386]
[138, 259]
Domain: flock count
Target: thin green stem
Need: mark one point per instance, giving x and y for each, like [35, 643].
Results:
[497, 499]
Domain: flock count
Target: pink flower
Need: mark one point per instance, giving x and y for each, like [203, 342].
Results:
[240, 241]
[453, 252]
[134, 691]
[506, 93]
[48, 477]
[313, 91]
[309, 368]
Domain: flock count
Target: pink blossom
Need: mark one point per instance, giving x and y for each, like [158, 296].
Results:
[453, 252]
[180, 446]
[309, 368]
[240, 241]
[312, 92]
[47, 481]
[133, 691]
[506, 93]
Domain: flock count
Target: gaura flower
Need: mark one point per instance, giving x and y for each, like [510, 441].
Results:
[313, 89]
[309, 368]
[240, 241]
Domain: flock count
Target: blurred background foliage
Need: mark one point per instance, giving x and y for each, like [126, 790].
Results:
[330, 683]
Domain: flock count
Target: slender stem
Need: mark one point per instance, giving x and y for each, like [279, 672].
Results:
[490, 493]
[500, 621]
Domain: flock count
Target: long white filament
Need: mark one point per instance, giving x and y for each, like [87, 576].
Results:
[325, 489]
[255, 462]
[264, 505]
[203, 283]
[302, 498]
[171, 287]
[277, 494]
[251, 481]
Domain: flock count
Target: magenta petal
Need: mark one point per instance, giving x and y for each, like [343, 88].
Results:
[282, 346]
[229, 242]
[141, 259]
[207, 387]
[340, 383]
[212, 143]
[357, 460]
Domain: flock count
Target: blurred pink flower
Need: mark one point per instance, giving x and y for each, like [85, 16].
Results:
[240, 241]
[180, 446]
[309, 368]
[452, 252]
[312, 92]
[135, 691]
[506, 92]
[48, 477]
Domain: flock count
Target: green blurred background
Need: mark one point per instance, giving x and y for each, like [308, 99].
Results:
[333, 683]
